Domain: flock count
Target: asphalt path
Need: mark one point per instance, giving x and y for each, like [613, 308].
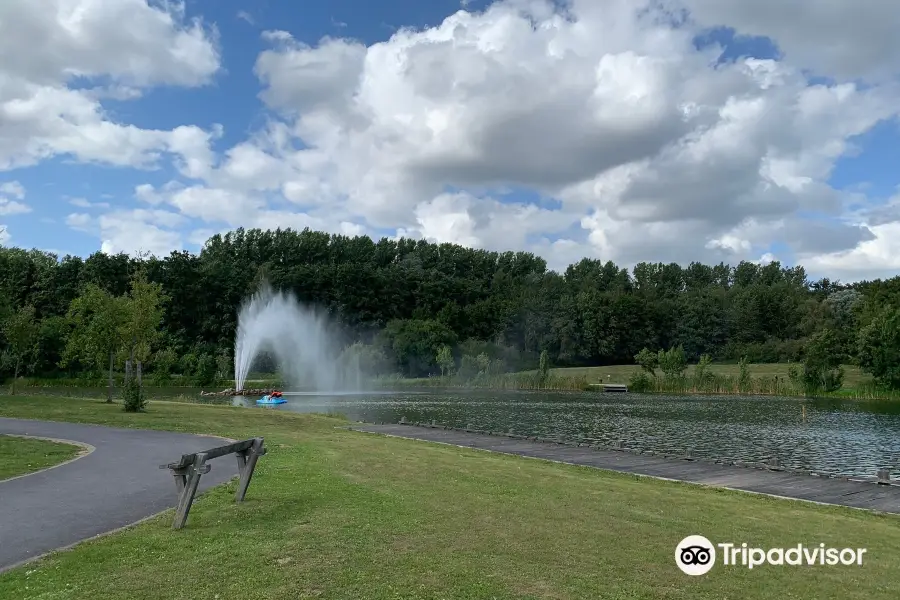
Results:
[115, 483]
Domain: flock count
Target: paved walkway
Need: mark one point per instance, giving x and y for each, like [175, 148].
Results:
[118, 483]
[856, 494]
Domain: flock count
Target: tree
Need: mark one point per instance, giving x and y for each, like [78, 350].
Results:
[821, 368]
[647, 360]
[445, 360]
[878, 348]
[672, 362]
[97, 320]
[143, 318]
[21, 330]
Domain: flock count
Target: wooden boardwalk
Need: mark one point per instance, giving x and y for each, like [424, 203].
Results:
[824, 490]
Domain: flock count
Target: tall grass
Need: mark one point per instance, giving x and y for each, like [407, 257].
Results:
[529, 380]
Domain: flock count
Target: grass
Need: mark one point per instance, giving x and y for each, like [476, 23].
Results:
[853, 377]
[21, 455]
[723, 379]
[338, 514]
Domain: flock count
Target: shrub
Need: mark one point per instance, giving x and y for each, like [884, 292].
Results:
[133, 398]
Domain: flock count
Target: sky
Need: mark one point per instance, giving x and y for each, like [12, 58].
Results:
[623, 130]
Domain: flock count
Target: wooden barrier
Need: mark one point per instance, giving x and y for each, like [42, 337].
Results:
[188, 469]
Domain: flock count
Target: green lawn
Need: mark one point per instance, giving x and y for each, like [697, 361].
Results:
[853, 377]
[338, 514]
[20, 455]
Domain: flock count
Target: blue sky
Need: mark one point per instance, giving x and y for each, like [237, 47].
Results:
[232, 100]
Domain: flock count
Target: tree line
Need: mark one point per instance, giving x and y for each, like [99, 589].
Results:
[420, 308]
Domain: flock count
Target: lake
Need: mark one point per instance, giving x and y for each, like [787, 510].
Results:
[825, 436]
[839, 437]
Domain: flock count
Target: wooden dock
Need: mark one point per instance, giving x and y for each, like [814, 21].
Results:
[610, 387]
[773, 482]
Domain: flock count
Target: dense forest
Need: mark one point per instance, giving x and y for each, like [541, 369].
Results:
[412, 299]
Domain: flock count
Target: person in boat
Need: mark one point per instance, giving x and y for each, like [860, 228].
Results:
[275, 394]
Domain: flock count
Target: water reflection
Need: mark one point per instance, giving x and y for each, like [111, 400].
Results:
[826, 436]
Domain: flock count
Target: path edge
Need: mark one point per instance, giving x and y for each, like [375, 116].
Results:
[638, 475]
[72, 546]
[86, 450]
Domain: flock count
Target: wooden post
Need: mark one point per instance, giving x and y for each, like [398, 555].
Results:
[190, 489]
[180, 475]
[246, 465]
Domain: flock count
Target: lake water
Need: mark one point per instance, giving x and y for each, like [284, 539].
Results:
[826, 436]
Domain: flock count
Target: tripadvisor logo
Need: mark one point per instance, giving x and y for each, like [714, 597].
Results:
[696, 555]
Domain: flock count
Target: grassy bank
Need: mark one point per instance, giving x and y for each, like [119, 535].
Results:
[337, 514]
[721, 379]
[20, 455]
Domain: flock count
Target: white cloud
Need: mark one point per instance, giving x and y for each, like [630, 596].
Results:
[653, 149]
[640, 146]
[12, 189]
[124, 44]
[836, 38]
[85, 203]
[133, 231]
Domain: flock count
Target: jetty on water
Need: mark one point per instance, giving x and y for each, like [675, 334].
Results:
[879, 493]
[620, 388]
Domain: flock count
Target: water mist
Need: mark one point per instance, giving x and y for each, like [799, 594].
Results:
[306, 350]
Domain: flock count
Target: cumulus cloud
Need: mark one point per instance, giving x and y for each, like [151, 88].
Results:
[833, 38]
[133, 231]
[576, 129]
[652, 147]
[48, 47]
[10, 193]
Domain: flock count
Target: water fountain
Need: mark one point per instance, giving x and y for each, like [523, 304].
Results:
[300, 338]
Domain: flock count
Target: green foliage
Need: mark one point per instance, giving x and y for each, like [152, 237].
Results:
[370, 360]
[164, 362]
[821, 369]
[205, 374]
[445, 360]
[405, 300]
[647, 360]
[21, 329]
[878, 347]
[744, 380]
[415, 343]
[703, 377]
[143, 308]
[640, 382]
[133, 397]
[544, 367]
[224, 365]
[672, 362]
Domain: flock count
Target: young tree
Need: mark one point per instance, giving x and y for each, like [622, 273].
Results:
[647, 360]
[143, 319]
[445, 360]
[97, 320]
[21, 330]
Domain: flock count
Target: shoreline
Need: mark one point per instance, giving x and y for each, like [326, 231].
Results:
[873, 494]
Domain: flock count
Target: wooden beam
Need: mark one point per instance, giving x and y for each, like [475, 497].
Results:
[190, 467]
